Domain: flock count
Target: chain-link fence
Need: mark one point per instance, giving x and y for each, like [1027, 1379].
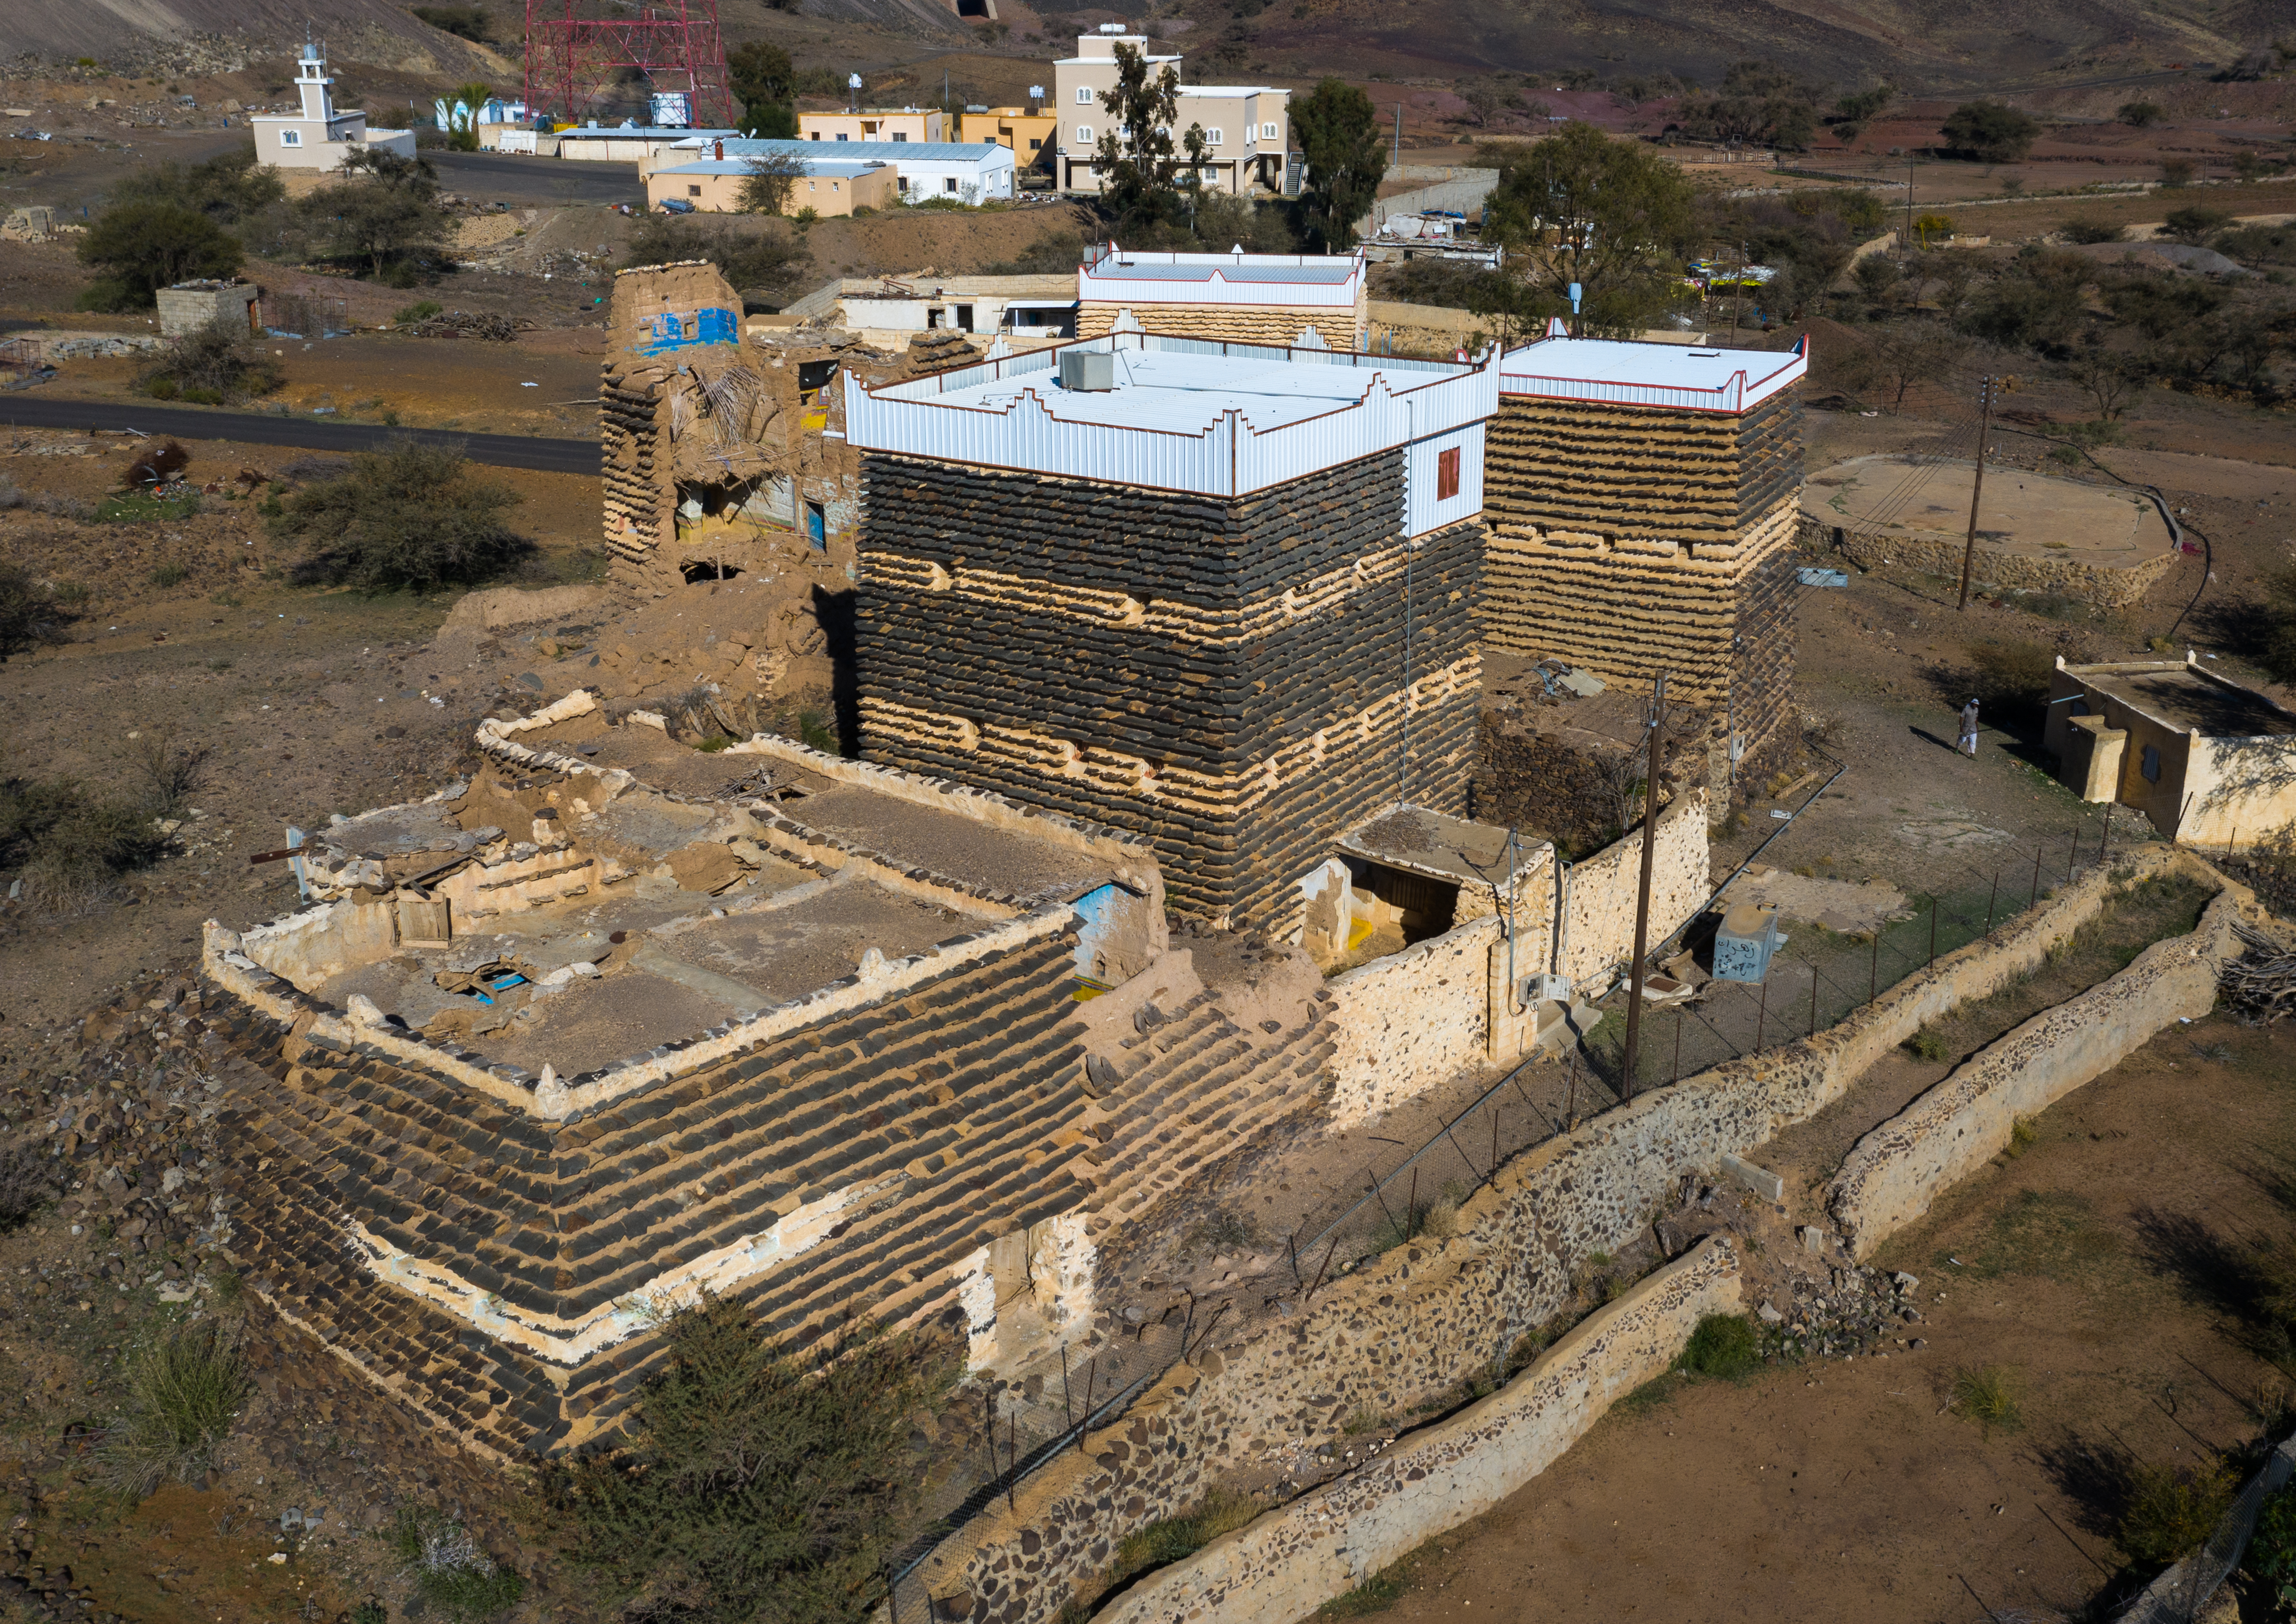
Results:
[2178, 1595]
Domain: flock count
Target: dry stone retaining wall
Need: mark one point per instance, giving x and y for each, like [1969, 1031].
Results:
[1893, 1174]
[1416, 1320]
[1937, 554]
[1285, 1565]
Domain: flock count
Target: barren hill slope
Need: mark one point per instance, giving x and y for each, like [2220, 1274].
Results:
[127, 33]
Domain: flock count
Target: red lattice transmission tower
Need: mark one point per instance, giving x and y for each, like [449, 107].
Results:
[574, 47]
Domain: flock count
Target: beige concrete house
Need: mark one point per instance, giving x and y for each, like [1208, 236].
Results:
[320, 135]
[2211, 763]
[828, 187]
[1254, 299]
[875, 124]
[1028, 133]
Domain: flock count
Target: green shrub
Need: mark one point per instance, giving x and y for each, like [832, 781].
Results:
[747, 1472]
[421, 311]
[24, 1187]
[413, 515]
[60, 833]
[215, 364]
[1175, 1538]
[1987, 1396]
[2093, 228]
[138, 507]
[162, 388]
[2272, 1548]
[1723, 1345]
[170, 575]
[2023, 1136]
[26, 612]
[2171, 1510]
[1928, 1043]
[449, 1570]
[184, 1392]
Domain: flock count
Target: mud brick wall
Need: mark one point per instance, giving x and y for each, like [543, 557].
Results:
[639, 510]
[1236, 324]
[498, 1261]
[1226, 676]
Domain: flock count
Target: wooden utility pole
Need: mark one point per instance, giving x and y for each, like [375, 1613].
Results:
[1656, 731]
[1977, 486]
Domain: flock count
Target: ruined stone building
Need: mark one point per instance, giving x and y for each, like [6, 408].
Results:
[1221, 597]
[1642, 505]
[1251, 298]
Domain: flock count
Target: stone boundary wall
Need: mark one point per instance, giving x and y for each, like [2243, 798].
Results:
[1407, 1022]
[1893, 1174]
[1415, 1321]
[1276, 324]
[1286, 1563]
[1935, 555]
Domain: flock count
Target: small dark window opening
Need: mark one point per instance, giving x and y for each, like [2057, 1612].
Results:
[2152, 767]
[813, 377]
[933, 315]
[964, 318]
[1447, 474]
[1035, 145]
[693, 192]
[817, 526]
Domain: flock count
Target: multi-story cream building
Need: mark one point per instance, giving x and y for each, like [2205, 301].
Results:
[1027, 132]
[875, 123]
[1247, 127]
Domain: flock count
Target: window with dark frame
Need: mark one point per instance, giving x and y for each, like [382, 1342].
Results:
[1447, 474]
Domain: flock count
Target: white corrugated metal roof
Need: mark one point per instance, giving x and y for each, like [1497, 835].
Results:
[1628, 374]
[1112, 276]
[916, 152]
[1185, 414]
[819, 166]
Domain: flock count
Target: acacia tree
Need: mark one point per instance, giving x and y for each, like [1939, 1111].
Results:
[766, 189]
[1139, 159]
[1608, 215]
[762, 76]
[385, 212]
[1339, 134]
[139, 248]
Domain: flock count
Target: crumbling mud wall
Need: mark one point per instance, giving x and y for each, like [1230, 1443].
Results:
[1287, 1563]
[1420, 1318]
[1892, 1175]
[1238, 678]
[721, 453]
[1638, 542]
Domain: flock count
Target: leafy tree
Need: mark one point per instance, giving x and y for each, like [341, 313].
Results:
[1339, 135]
[755, 1484]
[764, 80]
[2035, 302]
[1986, 131]
[384, 210]
[1759, 102]
[409, 516]
[230, 188]
[2092, 228]
[2196, 224]
[1608, 215]
[1902, 356]
[1877, 278]
[141, 248]
[2141, 115]
[1858, 109]
[1138, 159]
[766, 189]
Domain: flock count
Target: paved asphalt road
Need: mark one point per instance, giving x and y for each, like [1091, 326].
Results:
[30, 411]
[538, 182]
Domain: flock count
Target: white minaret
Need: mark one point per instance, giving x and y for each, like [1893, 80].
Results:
[312, 81]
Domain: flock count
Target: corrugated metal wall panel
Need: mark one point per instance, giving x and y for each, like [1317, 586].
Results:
[1421, 511]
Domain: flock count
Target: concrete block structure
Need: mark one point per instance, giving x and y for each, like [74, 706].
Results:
[1220, 596]
[2211, 763]
[189, 307]
[957, 172]
[876, 124]
[1029, 132]
[1643, 503]
[1251, 298]
[319, 136]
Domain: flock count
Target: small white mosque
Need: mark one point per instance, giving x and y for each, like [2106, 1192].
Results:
[320, 137]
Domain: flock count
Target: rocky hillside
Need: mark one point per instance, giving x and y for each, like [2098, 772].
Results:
[195, 36]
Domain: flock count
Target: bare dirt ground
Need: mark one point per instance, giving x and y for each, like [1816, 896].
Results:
[2100, 1268]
